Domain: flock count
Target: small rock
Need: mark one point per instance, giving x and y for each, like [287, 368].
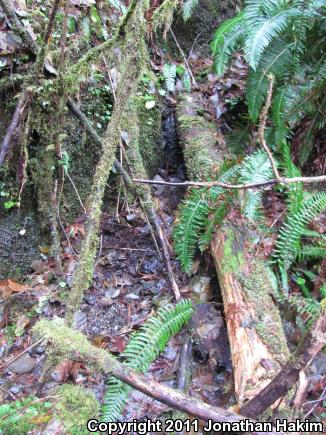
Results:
[131, 217]
[23, 364]
[132, 296]
[112, 292]
[105, 301]
[15, 389]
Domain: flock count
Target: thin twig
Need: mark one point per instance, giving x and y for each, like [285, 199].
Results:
[77, 193]
[262, 126]
[51, 21]
[23, 352]
[12, 129]
[185, 59]
[315, 402]
[281, 180]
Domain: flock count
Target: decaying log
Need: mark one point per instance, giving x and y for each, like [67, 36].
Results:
[74, 345]
[311, 345]
[202, 152]
[257, 340]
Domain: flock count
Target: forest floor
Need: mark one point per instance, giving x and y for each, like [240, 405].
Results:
[130, 282]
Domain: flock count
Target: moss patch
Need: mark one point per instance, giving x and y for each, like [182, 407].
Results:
[75, 407]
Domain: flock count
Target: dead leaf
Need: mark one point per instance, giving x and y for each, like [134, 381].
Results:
[67, 369]
[8, 287]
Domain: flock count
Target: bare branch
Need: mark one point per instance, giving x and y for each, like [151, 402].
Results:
[262, 126]
[281, 180]
[74, 345]
[22, 103]
[51, 21]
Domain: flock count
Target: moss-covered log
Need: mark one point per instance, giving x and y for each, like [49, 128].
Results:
[202, 153]
[257, 340]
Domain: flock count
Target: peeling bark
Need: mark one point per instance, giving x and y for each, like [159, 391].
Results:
[257, 340]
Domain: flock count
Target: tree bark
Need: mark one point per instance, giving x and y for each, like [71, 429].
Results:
[310, 346]
[257, 341]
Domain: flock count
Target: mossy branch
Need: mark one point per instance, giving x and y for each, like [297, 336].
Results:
[134, 57]
[74, 345]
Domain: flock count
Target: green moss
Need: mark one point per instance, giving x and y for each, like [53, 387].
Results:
[75, 407]
[198, 139]
[233, 258]
[135, 56]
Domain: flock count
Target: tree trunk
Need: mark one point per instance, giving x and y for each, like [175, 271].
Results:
[257, 341]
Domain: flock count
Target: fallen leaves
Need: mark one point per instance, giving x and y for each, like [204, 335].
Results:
[8, 287]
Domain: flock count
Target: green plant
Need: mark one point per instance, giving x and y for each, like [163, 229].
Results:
[200, 212]
[143, 348]
[288, 244]
[24, 415]
[284, 38]
[255, 168]
[169, 74]
[188, 7]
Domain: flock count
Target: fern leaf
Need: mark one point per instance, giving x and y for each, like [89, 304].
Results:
[294, 190]
[188, 8]
[264, 31]
[226, 39]
[142, 349]
[276, 61]
[288, 242]
[170, 73]
[194, 212]
[255, 168]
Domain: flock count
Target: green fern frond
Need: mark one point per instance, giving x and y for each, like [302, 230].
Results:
[188, 7]
[263, 30]
[275, 61]
[288, 242]
[294, 190]
[226, 40]
[194, 212]
[282, 100]
[310, 308]
[255, 168]
[170, 73]
[212, 222]
[238, 138]
[310, 252]
[142, 349]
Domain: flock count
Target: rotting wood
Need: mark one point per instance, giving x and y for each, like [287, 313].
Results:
[312, 343]
[74, 345]
[257, 340]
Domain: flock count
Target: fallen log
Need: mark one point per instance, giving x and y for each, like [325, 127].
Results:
[74, 345]
[198, 137]
[258, 344]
